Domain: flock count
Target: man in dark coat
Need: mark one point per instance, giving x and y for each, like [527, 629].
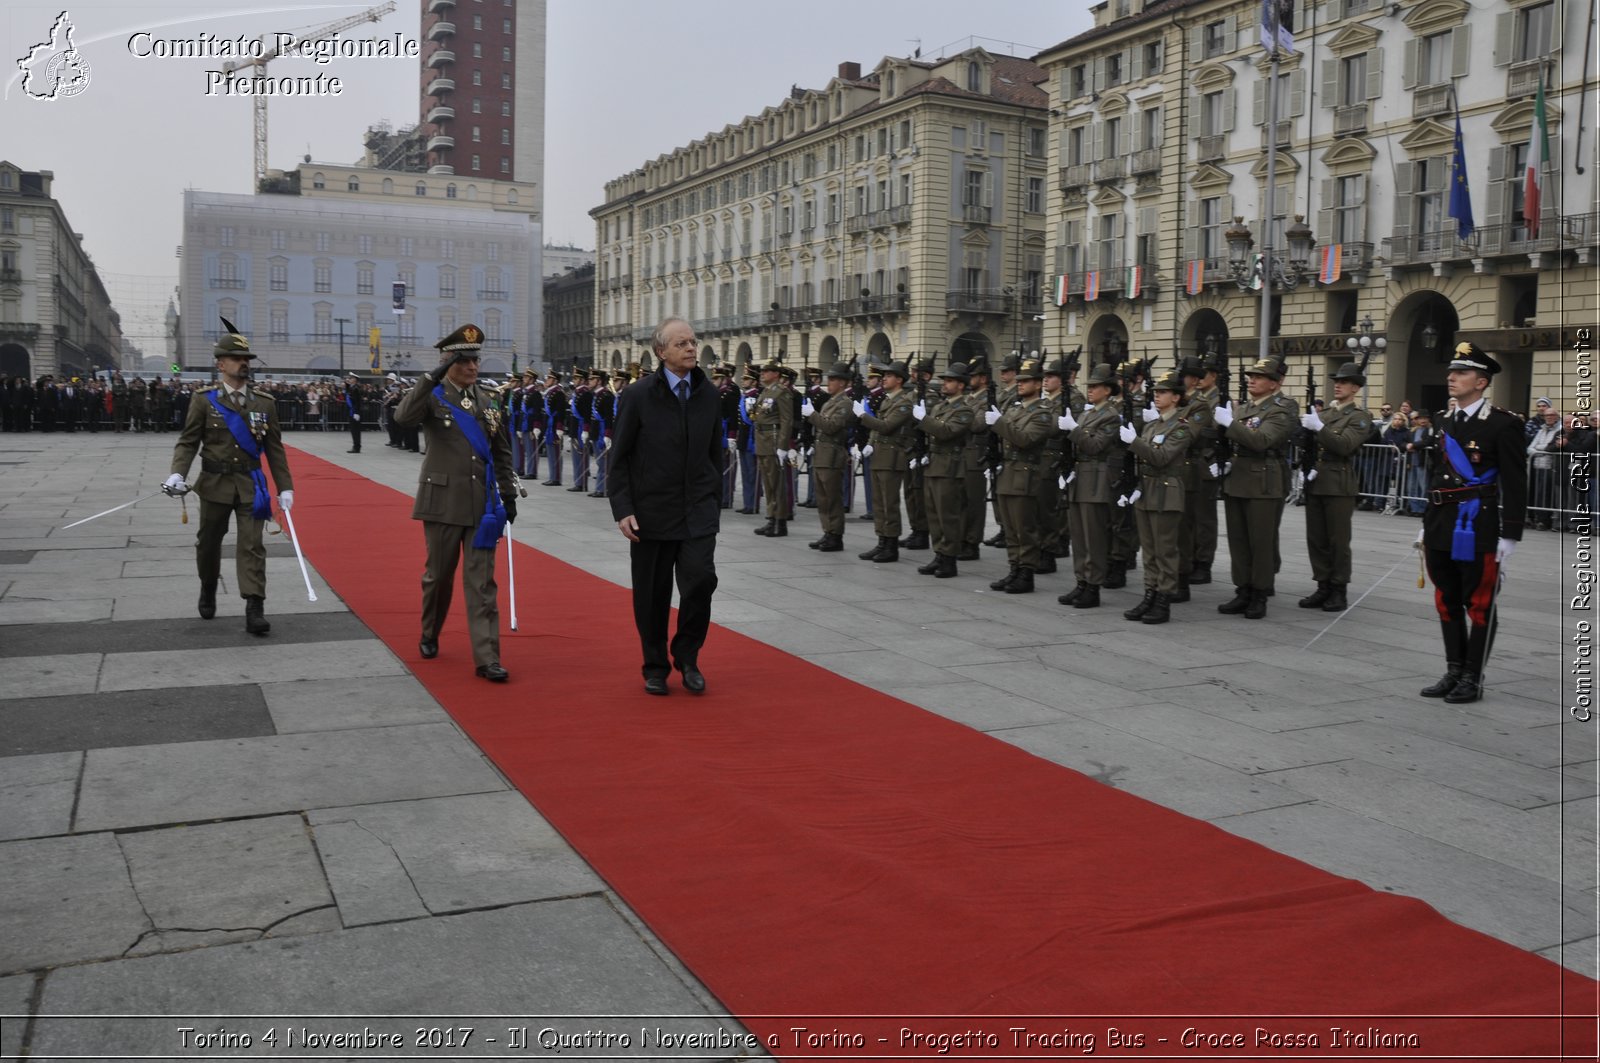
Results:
[665, 491]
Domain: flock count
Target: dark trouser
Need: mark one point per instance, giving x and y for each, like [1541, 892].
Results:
[916, 489]
[1158, 538]
[1328, 536]
[976, 512]
[552, 451]
[447, 544]
[250, 556]
[947, 512]
[1091, 540]
[355, 435]
[1019, 519]
[774, 484]
[1049, 498]
[1463, 594]
[1201, 521]
[749, 476]
[885, 503]
[1124, 535]
[830, 498]
[580, 460]
[655, 563]
[1253, 541]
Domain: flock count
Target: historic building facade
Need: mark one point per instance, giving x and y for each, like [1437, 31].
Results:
[895, 211]
[569, 318]
[1158, 143]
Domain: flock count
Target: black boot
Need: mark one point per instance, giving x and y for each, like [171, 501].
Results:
[890, 551]
[1468, 688]
[1200, 574]
[255, 620]
[1235, 605]
[998, 540]
[1005, 581]
[931, 568]
[1023, 584]
[1138, 611]
[1315, 599]
[1258, 605]
[968, 553]
[947, 567]
[1337, 602]
[1047, 565]
[208, 599]
[1116, 576]
[872, 555]
[782, 530]
[1182, 594]
[769, 528]
[1073, 595]
[917, 540]
[831, 544]
[816, 544]
[1160, 609]
[1446, 683]
[1089, 599]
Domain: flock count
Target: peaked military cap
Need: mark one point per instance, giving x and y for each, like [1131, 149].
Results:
[813, 370]
[1471, 356]
[841, 371]
[1171, 380]
[956, 371]
[720, 370]
[1032, 369]
[465, 338]
[1106, 376]
[232, 343]
[789, 371]
[1266, 367]
[1350, 371]
[897, 369]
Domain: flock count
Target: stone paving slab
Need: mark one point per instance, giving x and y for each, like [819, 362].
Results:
[66, 900]
[347, 704]
[1467, 726]
[62, 673]
[213, 883]
[266, 662]
[1046, 685]
[131, 718]
[568, 957]
[37, 794]
[150, 785]
[978, 706]
[450, 854]
[16, 996]
[16, 611]
[1232, 745]
[191, 633]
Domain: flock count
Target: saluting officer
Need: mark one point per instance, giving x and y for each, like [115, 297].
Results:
[1023, 428]
[1332, 487]
[833, 424]
[465, 495]
[1477, 504]
[1256, 485]
[891, 429]
[948, 426]
[231, 427]
[1162, 450]
[772, 417]
[1097, 453]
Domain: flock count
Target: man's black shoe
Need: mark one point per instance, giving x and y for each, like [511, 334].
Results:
[575, 487]
[428, 648]
[693, 681]
[1446, 683]
[746, 512]
[493, 672]
[656, 684]
[968, 553]
[208, 599]
[355, 450]
[255, 620]
[552, 483]
[1467, 688]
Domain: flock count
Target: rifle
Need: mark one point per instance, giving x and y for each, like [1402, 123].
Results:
[919, 440]
[992, 455]
[1308, 443]
[1128, 482]
[1223, 451]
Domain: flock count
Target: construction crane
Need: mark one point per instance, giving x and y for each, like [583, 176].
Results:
[372, 14]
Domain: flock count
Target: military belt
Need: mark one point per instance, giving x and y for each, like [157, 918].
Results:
[222, 468]
[1440, 496]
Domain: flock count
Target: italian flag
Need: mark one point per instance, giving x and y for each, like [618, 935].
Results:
[1538, 160]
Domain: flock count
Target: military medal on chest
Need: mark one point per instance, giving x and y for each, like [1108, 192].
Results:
[466, 402]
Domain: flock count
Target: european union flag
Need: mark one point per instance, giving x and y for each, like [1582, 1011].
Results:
[1460, 194]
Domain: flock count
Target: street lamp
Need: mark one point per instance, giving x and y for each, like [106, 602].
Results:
[1430, 339]
[1252, 272]
[342, 322]
[1364, 345]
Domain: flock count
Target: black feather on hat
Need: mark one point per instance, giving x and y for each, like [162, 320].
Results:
[232, 342]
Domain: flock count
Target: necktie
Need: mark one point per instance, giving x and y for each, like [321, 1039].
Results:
[683, 391]
[1461, 418]
[238, 399]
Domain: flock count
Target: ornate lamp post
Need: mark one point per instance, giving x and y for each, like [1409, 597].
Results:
[1279, 271]
[1364, 344]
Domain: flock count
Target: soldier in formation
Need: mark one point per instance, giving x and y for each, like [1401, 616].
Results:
[1256, 485]
[833, 424]
[892, 430]
[1161, 449]
[947, 426]
[1334, 482]
[1023, 428]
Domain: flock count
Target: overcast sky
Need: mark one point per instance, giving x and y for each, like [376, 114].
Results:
[626, 81]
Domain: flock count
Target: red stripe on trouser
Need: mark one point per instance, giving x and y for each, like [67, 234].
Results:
[1483, 594]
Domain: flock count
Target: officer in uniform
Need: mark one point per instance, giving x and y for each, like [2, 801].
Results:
[1023, 428]
[833, 425]
[555, 419]
[580, 410]
[806, 435]
[892, 429]
[947, 426]
[1052, 512]
[1162, 450]
[353, 396]
[789, 460]
[728, 399]
[603, 409]
[1477, 505]
[465, 495]
[749, 467]
[1097, 459]
[772, 418]
[1006, 392]
[975, 513]
[231, 427]
[1256, 485]
[915, 485]
[1332, 487]
[1200, 527]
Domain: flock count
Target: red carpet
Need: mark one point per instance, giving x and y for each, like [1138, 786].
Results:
[810, 847]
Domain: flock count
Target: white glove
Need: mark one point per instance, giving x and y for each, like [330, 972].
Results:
[583, 437]
[174, 485]
[1420, 533]
[806, 409]
[1127, 433]
[1213, 470]
[924, 459]
[1122, 500]
[1150, 414]
[810, 451]
[1227, 468]
[607, 445]
[1088, 406]
[1071, 476]
[355, 417]
[858, 407]
[866, 451]
[1312, 475]
[1061, 481]
[919, 411]
[991, 415]
[1066, 422]
[1504, 549]
[1135, 496]
[783, 458]
[1312, 421]
[794, 457]
[538, 433]
[286, 500]
[855, 453]
[1224, 414]
[728, 443]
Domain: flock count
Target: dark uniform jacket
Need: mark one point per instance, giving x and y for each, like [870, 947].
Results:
[1097, 451]
[1493, 439]
[832, 423]
[224, 466]
[1023, 429]
[666, 461]
[892, 430]
[1260, 433]
[947, 427]
[452, 486]
[1162, 450]
[772, 414]
[1345, 430]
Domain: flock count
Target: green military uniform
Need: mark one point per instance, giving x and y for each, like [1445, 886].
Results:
[975, 513]
[1162, 451]
[1331, 492]
[1200, 529]
[1005, 394]
[1024, 427]
[948, 426]
[453, 493]
[835, 423]
[892, 428]
[1256, 485]
[1124, 532]
[1097, 460]
[772, 420]
[226, 485]
[916, 471]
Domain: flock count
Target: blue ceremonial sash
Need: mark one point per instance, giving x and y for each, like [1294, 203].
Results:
[261, 507]
[493, 523]
[350, 403]
[1464, 541]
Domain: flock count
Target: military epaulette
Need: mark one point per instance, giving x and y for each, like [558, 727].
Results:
[1281, 401]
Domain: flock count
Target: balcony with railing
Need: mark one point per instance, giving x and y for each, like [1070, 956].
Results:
[1523, 78]
[441, 113]
[441, 142]
[439, 29]
[1426, 248]
[1285, 134]
[1145, 160]
[1349, 119]
[1213, 148]
[766, 244]
[808, 234]
[492, 293]
[441, 86]
[436, 6]
[1074, 176]
[1355, 256]
[977, 214]
[786, 239]
[1110, 169]
[830, 230]
[614, 332]
[809, 313]
[876, 305]
[227, 283]
[857, 223]
[1429, 100]
[727, 254]
[989, 301]
[441, 57]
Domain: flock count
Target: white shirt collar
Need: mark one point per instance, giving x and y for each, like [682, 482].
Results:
[1472, 411]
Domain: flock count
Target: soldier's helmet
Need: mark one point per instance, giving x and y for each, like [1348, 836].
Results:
[897, 369]
[956, 371]
[1056, 368]
[841, 371]
[1193, 366]
[1012, 361]
[772, 365]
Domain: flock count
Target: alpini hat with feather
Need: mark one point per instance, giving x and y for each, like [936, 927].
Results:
[232, 342]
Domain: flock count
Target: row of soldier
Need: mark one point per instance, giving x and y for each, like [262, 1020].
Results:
[52, 404]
